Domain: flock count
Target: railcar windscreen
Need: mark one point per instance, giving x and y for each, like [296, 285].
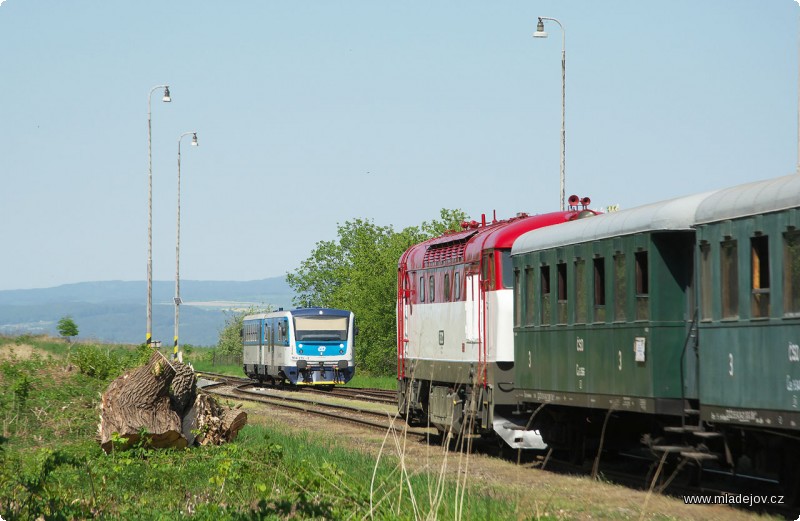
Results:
[320, 328]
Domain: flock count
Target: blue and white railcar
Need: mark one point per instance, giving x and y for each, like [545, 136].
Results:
[305, 346]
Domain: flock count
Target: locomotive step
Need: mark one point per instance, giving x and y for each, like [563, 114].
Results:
[671, 448]
[685, 428]
[700, 456]
[692, 412]
[706, 434]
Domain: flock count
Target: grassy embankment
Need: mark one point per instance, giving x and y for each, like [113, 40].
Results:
[52, 467]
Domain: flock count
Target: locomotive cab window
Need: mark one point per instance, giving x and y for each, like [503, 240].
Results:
[642, 285]
[488, 271]
[447, 287]
[545, 293]
[599, 289]
[320, 328]
[561, 273]
[457, 286]
[730, 279]
[431, 288]
[759, 276]
[422, 289]
[791, 273]
[506, 269]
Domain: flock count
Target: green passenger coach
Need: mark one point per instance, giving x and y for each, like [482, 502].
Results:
[602, 315]
[748, 256]
[672, 327]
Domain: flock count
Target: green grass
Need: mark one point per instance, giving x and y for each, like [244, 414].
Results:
[373, 382]
[52, 467]
[206, 366]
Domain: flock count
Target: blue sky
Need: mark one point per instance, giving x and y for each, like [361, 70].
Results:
[311, 113]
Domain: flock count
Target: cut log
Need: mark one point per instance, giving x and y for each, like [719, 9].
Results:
[138, 402]
[216, 424]
[159, 401]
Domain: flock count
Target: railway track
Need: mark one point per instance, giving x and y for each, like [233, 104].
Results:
[353, 393]
[360, 415]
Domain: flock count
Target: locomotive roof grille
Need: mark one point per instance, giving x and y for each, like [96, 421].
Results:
[446, 253]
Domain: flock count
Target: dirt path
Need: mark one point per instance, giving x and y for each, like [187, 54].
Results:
[539, 494]
[19, 351]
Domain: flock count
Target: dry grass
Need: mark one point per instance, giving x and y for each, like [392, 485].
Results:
[538, 494]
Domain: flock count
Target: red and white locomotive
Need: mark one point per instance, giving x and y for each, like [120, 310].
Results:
[455, 348]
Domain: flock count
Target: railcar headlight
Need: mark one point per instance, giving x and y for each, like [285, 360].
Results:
[341, 351]
[300, 350]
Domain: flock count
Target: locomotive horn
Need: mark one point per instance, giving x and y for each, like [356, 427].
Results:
[573, 200]
[585, 201]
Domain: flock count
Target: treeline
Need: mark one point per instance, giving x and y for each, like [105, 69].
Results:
[358, 272]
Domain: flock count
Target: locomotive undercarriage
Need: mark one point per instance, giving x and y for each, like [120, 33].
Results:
[469, 408]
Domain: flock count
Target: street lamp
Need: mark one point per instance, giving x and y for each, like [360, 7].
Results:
[177, 298]
[165, 99]
[540, 33]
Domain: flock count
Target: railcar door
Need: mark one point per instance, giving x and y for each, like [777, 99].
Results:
[474, 325]
[283, 356]
[272, 342]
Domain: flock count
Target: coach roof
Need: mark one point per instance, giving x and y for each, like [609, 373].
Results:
[751, 199]
[674, 214]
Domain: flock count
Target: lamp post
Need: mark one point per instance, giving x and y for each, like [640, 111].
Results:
[540, 33]
[165, 99]
[178, 246]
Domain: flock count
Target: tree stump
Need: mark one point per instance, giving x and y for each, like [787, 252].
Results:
[159, 401]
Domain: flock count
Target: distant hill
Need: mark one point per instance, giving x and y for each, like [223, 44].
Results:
[115, 311]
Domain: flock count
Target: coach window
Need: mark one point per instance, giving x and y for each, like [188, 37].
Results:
[545, 291]
[642, 285]
[422, 289]
[599, 289]
[457, 286]
[705, 281]
[561, 273]
[447, 287]
[729, 279]
[791, 273]
[517, 298]
[620, 288]
[759, 276]
[530, 296]
[581, 303]
[431, 289]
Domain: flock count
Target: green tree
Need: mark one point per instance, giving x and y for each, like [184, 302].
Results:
[67, 328]
[358, 272]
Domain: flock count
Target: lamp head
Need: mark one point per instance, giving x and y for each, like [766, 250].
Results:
[194, 139]
[540, 32]
[166, 98]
